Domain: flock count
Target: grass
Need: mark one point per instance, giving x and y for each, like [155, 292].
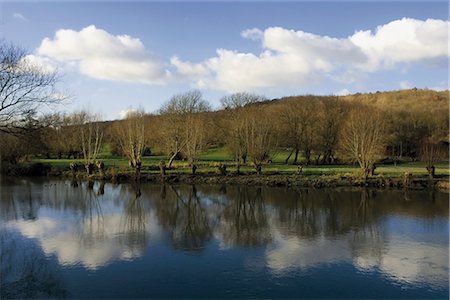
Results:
[210, 159]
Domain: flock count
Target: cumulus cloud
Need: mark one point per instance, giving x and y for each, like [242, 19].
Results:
[288, 58]
[101, 55]
[402, 41]
[44, 64]
[296, 58]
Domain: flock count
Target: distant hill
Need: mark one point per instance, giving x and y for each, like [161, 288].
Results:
[411, 100]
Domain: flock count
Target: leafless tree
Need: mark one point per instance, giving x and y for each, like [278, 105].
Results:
[259, 137]
[90, 137]
[237, 107]
[195, 133]
[300, 119]
[431, 153]
[329, 127]
[178, 112]
[25, 86]
[130, 134]
[363, 138]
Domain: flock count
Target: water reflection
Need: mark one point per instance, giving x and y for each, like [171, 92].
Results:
[244, 219]
[25, 271]
[80, 225]
[182, 214]
[402, 235]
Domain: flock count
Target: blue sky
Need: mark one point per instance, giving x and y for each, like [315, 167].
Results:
[117, 55]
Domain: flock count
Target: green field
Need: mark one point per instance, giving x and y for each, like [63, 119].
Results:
[211, 158]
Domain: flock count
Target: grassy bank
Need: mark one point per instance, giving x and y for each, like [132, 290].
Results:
[275, 173]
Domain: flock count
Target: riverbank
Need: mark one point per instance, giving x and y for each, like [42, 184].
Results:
[270, 178]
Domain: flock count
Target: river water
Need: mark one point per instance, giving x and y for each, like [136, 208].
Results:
[68, 239]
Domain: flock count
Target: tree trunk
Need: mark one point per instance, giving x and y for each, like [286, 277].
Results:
[318, 158]
[162, 167]
[372, 169]
[289, 156]
[89, 168]
[297, 150]
[366, 172]
[194, 168]
[222, 169]
[258, 168]
[431, 171]
[172, 158]
[137, 171]
[307, 153]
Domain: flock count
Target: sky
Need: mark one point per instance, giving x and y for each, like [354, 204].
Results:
[116, 56]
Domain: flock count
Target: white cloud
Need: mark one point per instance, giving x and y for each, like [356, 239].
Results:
[101, 55]
[343, 92]
[402, 41]
[405, 84]
[44, 64]
[296, 58]
[20, 17]
[288, 58]
[125, 112]
[252, 34]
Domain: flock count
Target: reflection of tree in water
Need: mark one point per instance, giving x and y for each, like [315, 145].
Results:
[26, 272]
[134, 220]
[181, 212]
[245, 218]
[367, 236]
[302, 216]
[92, 215]
[307, 213]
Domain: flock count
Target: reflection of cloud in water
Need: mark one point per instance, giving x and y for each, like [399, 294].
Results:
[291, 252]
[410, 261]
[86, 243]
[401, 260]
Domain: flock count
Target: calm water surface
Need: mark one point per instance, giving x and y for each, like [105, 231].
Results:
[63, 239]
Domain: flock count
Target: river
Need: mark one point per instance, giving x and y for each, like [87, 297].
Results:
[69, 239]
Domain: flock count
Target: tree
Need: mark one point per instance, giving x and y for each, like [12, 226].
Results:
[300, 120]
[178, 113]
[195, 131]
[90, 137]
[130, 134]
[237, 107]
[24, 87]
[431, 153]
[329, 127]
[363, 137]
[258, 136]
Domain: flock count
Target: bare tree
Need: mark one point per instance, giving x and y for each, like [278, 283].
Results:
[25, 86]
[195, 132]
[329, 127]
[90, 137]
[363, 138]
[300, 118]
[259, 138]
[237, 108]
[431, 153]
[130, 134]
[178, 112]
